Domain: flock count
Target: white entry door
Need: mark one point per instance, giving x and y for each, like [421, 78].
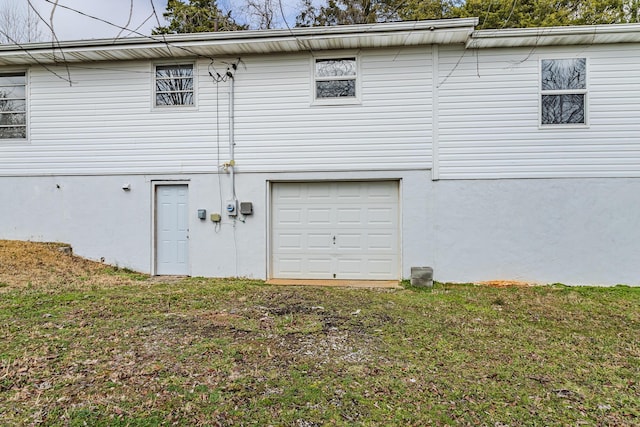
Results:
[172, 230]
[335, 230]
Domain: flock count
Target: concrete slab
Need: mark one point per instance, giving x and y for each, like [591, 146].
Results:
[382, 284]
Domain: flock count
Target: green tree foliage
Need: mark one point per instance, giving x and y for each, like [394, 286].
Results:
[546, 13]
[491, 13]
[413, 10]
[196, 16]
[342, 12]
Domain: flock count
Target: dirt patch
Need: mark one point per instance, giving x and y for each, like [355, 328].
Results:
[36, 264]
[506, 283]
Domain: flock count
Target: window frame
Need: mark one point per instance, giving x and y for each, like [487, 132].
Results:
[346, 100]
[27, 86]
[584, 91]
[174, 107]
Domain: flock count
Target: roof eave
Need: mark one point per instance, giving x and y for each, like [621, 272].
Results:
[555, 36]
[243, 42]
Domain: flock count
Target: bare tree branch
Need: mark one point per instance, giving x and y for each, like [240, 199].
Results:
[128, 20]
[19, 23]
[261, 14]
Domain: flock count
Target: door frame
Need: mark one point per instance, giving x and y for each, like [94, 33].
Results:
[154, 216]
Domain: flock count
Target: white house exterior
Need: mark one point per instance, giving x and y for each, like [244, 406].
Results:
[363, 151]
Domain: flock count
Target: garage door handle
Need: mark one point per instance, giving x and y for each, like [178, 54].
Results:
[334, 240]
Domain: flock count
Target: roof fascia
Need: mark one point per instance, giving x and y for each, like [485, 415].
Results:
[242, 42]
[555, 36]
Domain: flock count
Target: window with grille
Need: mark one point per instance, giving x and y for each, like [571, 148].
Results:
[174, 85]
[13, 106]
[335, 78]
[563, 91]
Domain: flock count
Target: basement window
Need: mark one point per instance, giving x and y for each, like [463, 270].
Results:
[335, 78]
[563, 91]
[174, 85]
[13, 106]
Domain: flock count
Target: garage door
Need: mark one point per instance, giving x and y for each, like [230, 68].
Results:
[335, 230]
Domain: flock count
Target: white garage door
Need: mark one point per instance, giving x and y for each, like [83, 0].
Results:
[335, 230]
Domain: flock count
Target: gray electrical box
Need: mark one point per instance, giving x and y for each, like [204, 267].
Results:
[246, 208]
[202, 213]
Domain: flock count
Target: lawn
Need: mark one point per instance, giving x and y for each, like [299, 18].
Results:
[82, 343]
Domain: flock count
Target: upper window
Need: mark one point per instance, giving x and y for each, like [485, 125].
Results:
[564, 91]
[335, 78]
[174, 85]
[13, 106]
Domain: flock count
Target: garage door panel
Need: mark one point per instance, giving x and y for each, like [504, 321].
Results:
[381, 242]
[351, 216]
[317, 241]
[379, 267]
[289, 241]
[290, 266]
[319, 266]
[349, 191]
[384, 191]
[348, 267]
[382, 216]
[342, 230]
[349, 241]
[288, 216]
[317, 192]
[318, 216]
[290, 192]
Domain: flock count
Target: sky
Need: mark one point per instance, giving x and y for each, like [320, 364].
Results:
[70, 25]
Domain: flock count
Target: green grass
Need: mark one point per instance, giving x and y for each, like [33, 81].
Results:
[238, 352]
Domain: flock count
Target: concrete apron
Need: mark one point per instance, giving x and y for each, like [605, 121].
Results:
[380, 284]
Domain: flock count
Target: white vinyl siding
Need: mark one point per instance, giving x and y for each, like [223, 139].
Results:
[489, 115]
[390, 129]
[106, 123]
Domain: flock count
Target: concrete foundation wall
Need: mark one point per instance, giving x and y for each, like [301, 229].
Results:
[574, 231]
[93, 214]
[102, 221]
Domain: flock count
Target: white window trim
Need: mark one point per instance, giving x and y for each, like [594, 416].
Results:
[27, 113]
[356, 100]
[174, 108]
[584, 92]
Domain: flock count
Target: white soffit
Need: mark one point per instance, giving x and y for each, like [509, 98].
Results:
[232, 43]
[555, 36]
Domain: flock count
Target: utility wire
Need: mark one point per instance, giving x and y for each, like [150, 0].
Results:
[54, 40]
[25, 50]
[165, 42]
[300, 42]
[140, 26]
[155, 13]
[128, 20]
